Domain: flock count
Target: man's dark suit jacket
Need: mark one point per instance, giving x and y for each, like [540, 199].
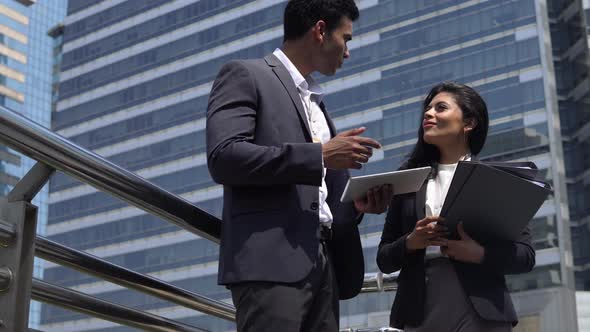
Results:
[260, 148]
[483, 283]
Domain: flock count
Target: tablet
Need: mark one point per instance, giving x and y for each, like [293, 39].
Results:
[404, 181]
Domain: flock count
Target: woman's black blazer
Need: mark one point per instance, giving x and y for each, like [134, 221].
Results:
[483, 283]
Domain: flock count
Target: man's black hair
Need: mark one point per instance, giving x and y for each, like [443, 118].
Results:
[301, 15]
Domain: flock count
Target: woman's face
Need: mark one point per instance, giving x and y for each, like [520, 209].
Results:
[443, 122]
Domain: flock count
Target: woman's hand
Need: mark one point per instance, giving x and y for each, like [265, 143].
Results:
[427, 232]
[465, 250]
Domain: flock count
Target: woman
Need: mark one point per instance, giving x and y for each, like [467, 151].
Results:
[448, 285]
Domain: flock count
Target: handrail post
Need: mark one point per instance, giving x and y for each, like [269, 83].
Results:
[16, 264]
[18, 221]
[28, 187]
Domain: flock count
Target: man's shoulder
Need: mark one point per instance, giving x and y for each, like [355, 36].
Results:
[250, 64]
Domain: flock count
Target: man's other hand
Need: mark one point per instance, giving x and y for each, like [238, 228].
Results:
[375, 201]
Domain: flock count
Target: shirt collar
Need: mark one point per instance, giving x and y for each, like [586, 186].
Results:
[308, 84]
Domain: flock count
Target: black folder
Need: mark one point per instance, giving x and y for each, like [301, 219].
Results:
[495, 201]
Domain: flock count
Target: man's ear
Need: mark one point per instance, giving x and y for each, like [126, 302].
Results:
[319, 30]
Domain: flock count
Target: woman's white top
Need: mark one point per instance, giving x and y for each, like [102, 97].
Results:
[436, 192]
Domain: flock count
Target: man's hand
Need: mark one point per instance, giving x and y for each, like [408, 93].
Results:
[429, 231]
[348, 150]
[464, 250]
[375, 201]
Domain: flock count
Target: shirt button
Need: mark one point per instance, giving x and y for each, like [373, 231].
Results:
[314, 206]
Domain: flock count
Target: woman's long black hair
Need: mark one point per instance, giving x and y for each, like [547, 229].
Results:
[472, 106]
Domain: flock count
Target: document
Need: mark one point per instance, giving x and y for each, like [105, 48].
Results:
[404, 181]
[495, 201]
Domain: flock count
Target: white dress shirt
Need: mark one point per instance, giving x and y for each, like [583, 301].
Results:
[436, 192]
[311, 95]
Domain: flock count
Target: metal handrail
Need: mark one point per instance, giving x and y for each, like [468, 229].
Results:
[84, 262]
[70, 299]
[90, 264]
[55, 151]
[389, 282]
[42, 144]
[382, 329]
[379, 282]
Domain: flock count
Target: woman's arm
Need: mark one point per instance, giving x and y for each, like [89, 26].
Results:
[510, 257]
[399, 247]
[391, 254]
[504, 257]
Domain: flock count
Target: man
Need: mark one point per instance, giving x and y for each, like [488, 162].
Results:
[289, 248]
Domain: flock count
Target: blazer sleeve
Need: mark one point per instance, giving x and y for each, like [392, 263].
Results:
[345, 246]
[232, 156]
[392, 254]
[510, 257]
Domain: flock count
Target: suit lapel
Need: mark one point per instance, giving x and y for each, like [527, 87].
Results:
[328, 120]
[285, 78]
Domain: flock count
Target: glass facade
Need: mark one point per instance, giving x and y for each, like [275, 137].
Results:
[577, 152]
[14, 41]
[25, 87]
[134, 86]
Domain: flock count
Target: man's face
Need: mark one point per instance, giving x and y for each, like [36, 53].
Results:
[334, 50]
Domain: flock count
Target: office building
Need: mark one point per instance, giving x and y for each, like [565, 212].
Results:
[134, 86]
[14, 23]
[25, 83]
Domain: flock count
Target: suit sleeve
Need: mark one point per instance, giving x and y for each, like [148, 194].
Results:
[347, 253]
[232, 157]
[392, 254]
[510, 257]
